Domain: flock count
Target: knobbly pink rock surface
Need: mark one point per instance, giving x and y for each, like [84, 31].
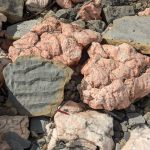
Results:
[55, 40]
[84, 128]
[114, 76]
[90, 10]
[68, 3]
[146, 12]
[139, 139]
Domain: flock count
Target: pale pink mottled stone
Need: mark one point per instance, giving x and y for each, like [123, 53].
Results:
[68, 3]
[90, 10]
[146, 12]
[114, 76]
[93, 127]
[55, 40]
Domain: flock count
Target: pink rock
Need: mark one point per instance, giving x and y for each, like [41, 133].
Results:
[68, 3]
[146, 12]
[55, 40]
[82, 128]
[90, 10]
[114, 76]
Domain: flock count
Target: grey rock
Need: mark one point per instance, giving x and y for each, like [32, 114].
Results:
[131, 108]
[38, 124]
[126, 135]
[124, 125]
[133, 30]
[16, 31]
[113, 12]
[16, 142]
[135, 119]
[118, 147]
[36, 85]
[96, 25]
[147, 117]
[80, 23]
[13, 9]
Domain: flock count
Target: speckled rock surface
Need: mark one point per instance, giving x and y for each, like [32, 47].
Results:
[146, 12]
[16, 124]
[84, 128]
[114, 76]
[139, 139]
[133, 30]
[55, 40]
[36, 85]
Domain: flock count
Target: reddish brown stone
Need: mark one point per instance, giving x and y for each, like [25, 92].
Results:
[146, 12]
[90, 10]
[114, 76]
[55, 40]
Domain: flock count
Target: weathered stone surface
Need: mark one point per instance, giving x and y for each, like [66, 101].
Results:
[133, 30]
[15, 124]
[85, 129]
[4, 145]
[147, 118]
[36, 85]
[68, 3]
[146, 12]
[114, 76]
[90, 10]
[55, 40]
[113, 12]
[139, 139]
[13, 9]
[16, 31]
[36, 5]
[3, 18]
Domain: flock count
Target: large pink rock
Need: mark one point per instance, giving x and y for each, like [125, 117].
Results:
[68, 3]
[81, 128]
[114, 76]
[90, 10]
[146, 12]
[55, 40]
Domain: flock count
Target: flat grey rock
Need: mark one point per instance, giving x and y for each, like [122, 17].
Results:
[134, 30]
[13, 9]
[16, 31]
[36, 86]
[113, 12]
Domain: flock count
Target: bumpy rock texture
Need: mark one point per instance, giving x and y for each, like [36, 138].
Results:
[81, 128]
[146, 12]
[133, 30]
[17, 124]
[3, 18]
[55, 40]
[13, 9]
[90, 10]
[36, 5]
[114, 76]
[68, 3]
[36, 85]
[139, 139]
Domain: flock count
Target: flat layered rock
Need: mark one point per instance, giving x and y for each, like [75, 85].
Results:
[133, 30]
[114, 76]
[36, 86]
[16, 124]
[79, 128]
[53, 39]
[13, 9]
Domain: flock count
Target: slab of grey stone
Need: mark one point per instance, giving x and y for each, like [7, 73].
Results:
[134, 30]
[113, 12]
[135, 119]
[13, 9]
[147, 117]
[36, 85]
[16, 31]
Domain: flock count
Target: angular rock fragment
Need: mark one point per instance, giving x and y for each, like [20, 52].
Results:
[90, 10]
[13, 9]
[146, 12]
[16, 124]
[133, 30]
[114, 76]
[55, 40]
[84, 128]
[139, 139]
[113, 12]
[36, 5]
[36, 85]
